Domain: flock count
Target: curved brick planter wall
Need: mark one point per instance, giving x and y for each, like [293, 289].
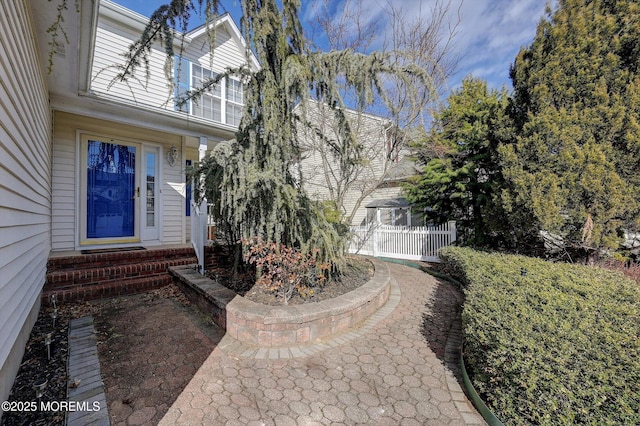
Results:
[264, 325]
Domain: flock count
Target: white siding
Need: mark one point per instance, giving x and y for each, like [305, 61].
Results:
[320, 170]
[111, 43]
[64, 180]
[115, 32]
[173, 203]
[382, 192]
[25, 195]
[112, 40]
[226, 54]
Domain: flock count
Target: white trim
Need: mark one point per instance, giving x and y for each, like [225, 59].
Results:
[227, 21]
[87, 42]
[183, 181]
[203, 142]
[120, 110]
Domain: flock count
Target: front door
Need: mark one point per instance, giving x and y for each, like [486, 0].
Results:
[119, 181]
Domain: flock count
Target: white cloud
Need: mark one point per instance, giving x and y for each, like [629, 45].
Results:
[489, 35]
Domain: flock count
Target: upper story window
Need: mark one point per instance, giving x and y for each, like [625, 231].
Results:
[223, 103]
[235, 101]
[209, 105]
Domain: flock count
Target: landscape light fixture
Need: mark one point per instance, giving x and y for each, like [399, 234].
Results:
[47, 341]
[39, 386]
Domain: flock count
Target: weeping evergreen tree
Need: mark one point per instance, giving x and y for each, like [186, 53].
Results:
[251, 178]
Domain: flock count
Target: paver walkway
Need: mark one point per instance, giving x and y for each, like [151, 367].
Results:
[398, 368]
[84, 383]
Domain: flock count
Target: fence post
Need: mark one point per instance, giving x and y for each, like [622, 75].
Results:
[452, 230]
[375, 239]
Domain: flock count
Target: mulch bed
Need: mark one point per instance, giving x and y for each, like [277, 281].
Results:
[356, 273]
[37, 366]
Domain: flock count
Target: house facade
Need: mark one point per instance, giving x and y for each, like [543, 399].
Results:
[89, 161]
[383, 163]
[120, 148]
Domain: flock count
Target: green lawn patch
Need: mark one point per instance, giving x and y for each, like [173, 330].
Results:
[550, 343]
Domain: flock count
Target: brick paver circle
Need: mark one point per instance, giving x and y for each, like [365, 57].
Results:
[397, 367]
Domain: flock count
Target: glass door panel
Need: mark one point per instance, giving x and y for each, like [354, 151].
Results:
[111, 190]
[150, 196]
[151, 188]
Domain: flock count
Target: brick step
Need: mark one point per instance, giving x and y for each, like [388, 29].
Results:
[97, 260]
[108, 289]
[64, 279]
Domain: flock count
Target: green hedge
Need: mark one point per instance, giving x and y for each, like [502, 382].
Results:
[559, 345]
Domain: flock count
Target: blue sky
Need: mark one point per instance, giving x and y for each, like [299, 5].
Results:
[489, 34]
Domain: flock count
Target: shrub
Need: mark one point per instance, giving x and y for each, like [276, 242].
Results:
[550, 343]
[626, 266]
[283, 269]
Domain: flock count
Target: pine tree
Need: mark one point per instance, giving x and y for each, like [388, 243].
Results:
[461, 174]
[251, 178]
[574, 169]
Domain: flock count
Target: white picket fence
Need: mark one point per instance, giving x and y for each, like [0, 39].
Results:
[402, 242]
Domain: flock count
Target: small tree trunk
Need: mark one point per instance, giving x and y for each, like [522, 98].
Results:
[237, 259]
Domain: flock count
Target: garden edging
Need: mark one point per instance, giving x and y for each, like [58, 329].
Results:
[274, 326]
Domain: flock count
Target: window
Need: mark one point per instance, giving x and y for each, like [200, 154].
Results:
[235, 100]
[223, 104]
[210, 103]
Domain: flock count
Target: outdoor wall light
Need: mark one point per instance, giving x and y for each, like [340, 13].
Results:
[172, 155]
[39, 386]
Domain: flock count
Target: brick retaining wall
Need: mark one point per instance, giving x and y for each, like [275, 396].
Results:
[274, 326]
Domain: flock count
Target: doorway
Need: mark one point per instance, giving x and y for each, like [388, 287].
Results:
[119, 200]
